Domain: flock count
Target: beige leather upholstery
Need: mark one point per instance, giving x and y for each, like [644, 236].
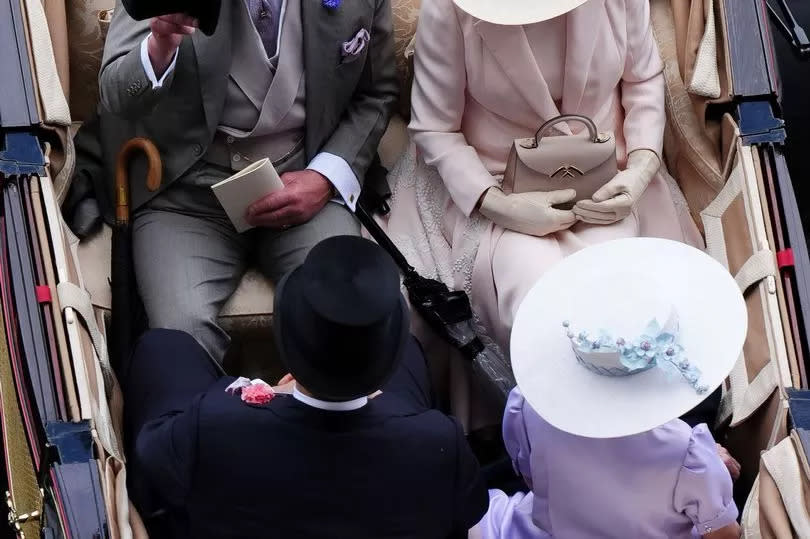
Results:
[405, 15]
[86, 31]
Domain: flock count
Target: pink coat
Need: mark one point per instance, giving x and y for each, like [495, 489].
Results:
[478, 87]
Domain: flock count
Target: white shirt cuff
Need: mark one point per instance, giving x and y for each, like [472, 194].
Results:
[340, 174]
[147, 65]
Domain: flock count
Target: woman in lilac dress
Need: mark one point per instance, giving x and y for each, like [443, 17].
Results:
[591, 425]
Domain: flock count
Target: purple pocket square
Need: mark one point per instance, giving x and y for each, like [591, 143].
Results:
[353, 47]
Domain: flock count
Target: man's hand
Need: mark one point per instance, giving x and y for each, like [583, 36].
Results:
[167, 34]
[305, 193]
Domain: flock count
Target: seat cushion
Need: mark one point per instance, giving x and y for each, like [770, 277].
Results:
[253, 298]
[393, 142]
[251, 306]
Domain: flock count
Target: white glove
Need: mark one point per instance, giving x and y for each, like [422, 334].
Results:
[529, 213]
[615, 200]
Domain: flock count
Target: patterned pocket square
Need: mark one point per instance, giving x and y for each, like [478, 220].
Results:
[351, 50]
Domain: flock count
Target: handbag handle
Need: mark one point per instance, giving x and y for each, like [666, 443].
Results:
[596, 137]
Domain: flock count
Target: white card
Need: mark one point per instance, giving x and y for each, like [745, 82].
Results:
[238, 192]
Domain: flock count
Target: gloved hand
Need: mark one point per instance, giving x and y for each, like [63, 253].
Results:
[529, 213]
[615, 200]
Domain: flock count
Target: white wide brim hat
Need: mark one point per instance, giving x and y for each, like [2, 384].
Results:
[517, 12]
[618, 287]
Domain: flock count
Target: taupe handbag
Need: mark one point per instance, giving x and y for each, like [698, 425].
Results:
[583, 162]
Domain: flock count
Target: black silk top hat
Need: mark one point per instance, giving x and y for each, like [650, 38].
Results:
[341, 322]
[205, 11]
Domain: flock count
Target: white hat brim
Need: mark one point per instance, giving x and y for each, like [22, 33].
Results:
[517, 12]
[612, 277]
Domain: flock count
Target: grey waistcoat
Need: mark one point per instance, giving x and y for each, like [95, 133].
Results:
[264, 114]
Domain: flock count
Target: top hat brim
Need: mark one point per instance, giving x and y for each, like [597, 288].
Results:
[208, 15]
[612, 286]
[206, 11]
[376, 357]
[517, 12]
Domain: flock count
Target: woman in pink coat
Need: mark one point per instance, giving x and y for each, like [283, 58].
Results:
[488, 72]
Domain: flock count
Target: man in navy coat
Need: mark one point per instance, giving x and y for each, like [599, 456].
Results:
[324, 460]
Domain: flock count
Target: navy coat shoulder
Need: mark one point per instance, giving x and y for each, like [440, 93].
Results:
[219, 467]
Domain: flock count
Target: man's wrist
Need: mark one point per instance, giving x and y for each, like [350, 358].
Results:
[160, 59]
[333, 192]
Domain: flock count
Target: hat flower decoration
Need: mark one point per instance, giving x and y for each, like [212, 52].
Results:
[657, 347]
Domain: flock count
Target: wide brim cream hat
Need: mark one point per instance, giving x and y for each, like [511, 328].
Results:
[517, 12]
[627, 335]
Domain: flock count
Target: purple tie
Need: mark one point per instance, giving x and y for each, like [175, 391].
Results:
[266, 15]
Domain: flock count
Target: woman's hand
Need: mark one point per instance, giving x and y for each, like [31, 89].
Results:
[285, 385]
[615, 200]
[168, 32]
[529, 213]
[731, 463]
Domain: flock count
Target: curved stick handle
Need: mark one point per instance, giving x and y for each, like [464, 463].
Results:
[153, 178]
[595, 136]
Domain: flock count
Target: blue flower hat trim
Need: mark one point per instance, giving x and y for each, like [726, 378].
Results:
[658, 346]
[331, 4]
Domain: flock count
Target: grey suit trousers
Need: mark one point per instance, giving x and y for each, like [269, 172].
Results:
[189, 259]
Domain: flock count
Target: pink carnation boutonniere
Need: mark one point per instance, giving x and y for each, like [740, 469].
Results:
[252, 391]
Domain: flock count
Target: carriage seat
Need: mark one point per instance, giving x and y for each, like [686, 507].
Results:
[250, 309]
[251, 306]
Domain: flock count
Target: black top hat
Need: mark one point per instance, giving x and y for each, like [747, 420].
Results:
[341, 322]
[205, 11]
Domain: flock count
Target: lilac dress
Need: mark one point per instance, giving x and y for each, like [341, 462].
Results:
[668, 482]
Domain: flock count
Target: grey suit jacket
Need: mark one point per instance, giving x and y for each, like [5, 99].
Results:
[349, 100]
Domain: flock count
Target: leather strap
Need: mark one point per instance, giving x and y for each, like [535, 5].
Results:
[79, 299]
[744, 397]
[52, 100]
[756, 269]
[24, 498]
[74, 410]
[53, 220]
[73, 297]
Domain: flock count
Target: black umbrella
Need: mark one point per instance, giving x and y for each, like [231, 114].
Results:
[128, 314]
[449, 313]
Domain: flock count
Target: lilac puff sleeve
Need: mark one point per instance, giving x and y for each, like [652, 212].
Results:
[515, 437]
[704, 488]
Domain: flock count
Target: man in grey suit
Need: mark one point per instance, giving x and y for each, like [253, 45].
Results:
[307, 83]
